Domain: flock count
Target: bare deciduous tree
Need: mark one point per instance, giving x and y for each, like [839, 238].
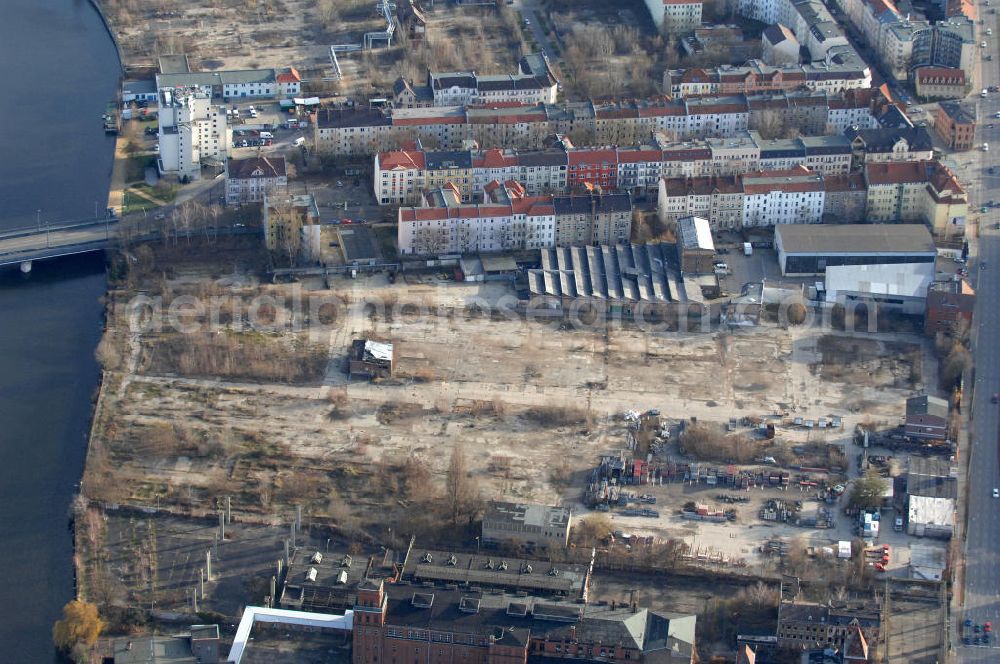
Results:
[461, 496]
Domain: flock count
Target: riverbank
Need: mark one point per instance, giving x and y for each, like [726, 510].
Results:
[96, 4]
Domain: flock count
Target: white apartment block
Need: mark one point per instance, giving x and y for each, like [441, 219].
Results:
[191, 131]
[675, 16]
[533, 83]
[793, 196]
[527, 224]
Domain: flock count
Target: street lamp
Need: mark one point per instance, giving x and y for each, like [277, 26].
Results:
[477, 545]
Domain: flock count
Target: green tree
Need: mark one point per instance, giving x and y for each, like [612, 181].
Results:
[867, 491]
[80, 625]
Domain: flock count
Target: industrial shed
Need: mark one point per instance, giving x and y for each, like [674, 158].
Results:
[805, 250]
[931, 517]
[626, 277]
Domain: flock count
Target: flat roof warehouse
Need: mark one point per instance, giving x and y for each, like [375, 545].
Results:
[855, 239]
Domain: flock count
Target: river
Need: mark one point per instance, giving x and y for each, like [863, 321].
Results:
[60, 69]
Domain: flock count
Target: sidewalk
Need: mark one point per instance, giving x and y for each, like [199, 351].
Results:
[116, 194]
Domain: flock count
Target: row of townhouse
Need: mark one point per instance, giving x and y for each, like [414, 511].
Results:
[365, 131]
[401, 176]
[762, 198]
[913, 191]
[533, 83]
[835, 64]
[901, 43]
[509, 220]
[755, 76]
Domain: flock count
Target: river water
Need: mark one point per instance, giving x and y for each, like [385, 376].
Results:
[60, 69]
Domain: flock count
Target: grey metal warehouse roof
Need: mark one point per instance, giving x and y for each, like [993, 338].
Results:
[624, 272]
[933, 478]
[855, 239]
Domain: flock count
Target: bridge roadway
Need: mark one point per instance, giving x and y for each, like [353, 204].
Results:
[24, 245]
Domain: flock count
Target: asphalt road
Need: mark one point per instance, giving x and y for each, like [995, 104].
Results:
[982, 578]
[14, 246]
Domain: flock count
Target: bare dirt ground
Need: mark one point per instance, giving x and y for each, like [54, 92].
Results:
[266, 415]
[241, 34]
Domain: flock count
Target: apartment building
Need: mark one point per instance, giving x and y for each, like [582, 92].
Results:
[855, 108]
[449, 167]
[846, 198]
[915, 191]
[901, 43]
[592, 167]
[717, 199]
[523, 223]
[287, 221]
[792, 196]
[512, 221]
[755, 76]
[249, 180]
[730, 156]
[533, 83]
[192, 132]
[821, 154]
[886, 145]
[955, 123]
[364, 131]
[896, 190]
[940, 83]
[835, 64]
[779, 47]
[592, 218]
[399, 176]
[543, 172]
[946, 205]
[675, 16]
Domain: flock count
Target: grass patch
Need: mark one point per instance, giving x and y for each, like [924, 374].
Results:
[135, 167]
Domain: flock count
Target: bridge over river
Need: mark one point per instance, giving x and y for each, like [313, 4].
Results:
[22, 246]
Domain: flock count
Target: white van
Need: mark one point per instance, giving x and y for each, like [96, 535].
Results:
[299, 141]
[266, 134]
